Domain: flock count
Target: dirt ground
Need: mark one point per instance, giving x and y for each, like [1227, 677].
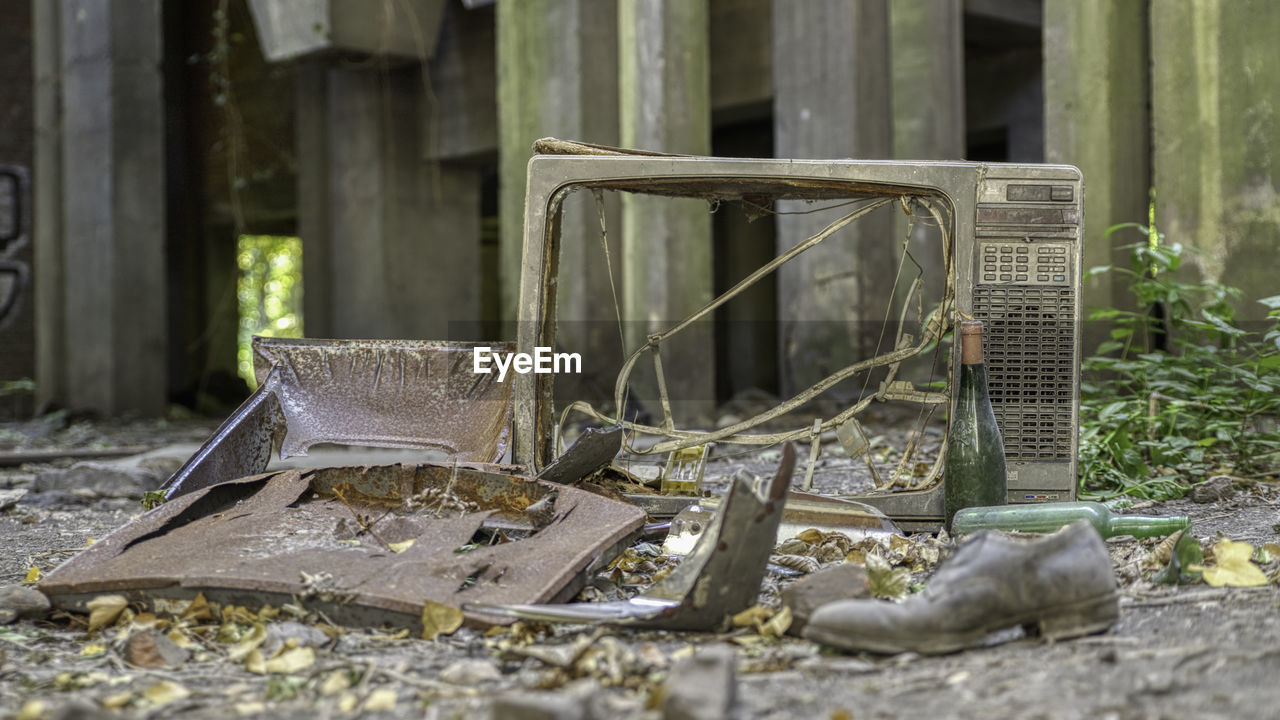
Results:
[1176, 652]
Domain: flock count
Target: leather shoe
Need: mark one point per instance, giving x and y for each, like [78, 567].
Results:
[1061, 583]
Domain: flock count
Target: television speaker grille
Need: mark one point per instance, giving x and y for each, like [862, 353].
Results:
[1029, 348]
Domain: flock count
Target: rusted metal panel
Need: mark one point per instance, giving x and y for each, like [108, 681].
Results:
[302, 534]
[380, 393]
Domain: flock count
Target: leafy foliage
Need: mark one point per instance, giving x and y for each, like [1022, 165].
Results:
[1155, 420]
[269, 293]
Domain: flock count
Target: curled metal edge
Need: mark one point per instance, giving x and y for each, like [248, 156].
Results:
[240, 447]
[719, 578]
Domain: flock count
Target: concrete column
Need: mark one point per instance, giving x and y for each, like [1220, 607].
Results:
[557, 77]
[1095, 84]
[665, 105]
[51, 376]
[390, 241]
[110, 315]
[831, 100]
[1215, 78]
[927, 46]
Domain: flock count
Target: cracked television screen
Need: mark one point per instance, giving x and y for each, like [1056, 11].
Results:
[747, 303]
[818, 308]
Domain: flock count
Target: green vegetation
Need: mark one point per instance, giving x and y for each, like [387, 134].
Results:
[269, 293]
[1168, 401]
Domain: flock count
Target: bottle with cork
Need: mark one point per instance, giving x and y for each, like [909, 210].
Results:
[974, 473]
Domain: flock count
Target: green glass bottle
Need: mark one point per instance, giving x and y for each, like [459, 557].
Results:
[974, 474]
[1050, 517]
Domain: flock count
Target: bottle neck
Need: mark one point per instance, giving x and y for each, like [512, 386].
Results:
[1147, 525]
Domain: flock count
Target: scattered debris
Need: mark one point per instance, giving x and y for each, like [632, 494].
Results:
[538, 706]
[470, 673]
[151, 650]
[719, 578]
[845, 581]
[18, 602]
[803, 512]
[99, 480]
[702, 686]
[1218, 487]
[10, 497]
[684, 470]
[1179, 553]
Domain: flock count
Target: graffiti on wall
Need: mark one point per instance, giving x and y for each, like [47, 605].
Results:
[15, 232]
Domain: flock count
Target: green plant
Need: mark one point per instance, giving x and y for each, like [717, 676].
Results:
[1180, 390]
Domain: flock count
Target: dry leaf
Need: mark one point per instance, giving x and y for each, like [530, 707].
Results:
[31, 710]
[165, 692]
[885, 581]
[288, 660]
[777, 625]
[1233, 567]
[198, 609]
[104, 609]
[255, 707]
[255, 637]
[752, 616]
[347, 702]
[93, 650]
[399, 547]
[439, 619]
[33, 576]
[117, 701]
[380, 699]
[335, 682]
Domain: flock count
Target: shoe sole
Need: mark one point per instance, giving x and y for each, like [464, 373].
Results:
[1062, 622]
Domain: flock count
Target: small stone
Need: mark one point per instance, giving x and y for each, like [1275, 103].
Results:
[98, 480]
[702, 686]
[303, 635]
[17, 601]
[469, 673]
[9, 498]
[153, 651]
[538, 706]
[838, 582]
[1216, 488]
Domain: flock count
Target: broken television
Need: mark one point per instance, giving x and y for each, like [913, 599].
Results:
[866, 266]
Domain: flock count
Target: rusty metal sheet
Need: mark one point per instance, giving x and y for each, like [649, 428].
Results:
[379, 393]
[719, 578]
[297, 534]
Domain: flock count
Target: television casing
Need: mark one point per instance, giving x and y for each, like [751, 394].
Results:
[1002, 213]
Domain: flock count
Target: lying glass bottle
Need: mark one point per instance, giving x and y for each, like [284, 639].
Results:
[1051, 517]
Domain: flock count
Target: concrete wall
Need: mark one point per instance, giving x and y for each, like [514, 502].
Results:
[1096, 118]
[107, 243]
[1216, 151]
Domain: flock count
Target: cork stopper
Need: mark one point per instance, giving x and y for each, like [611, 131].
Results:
[971, 342]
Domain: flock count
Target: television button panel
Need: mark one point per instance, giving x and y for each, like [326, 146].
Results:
[1033, 263]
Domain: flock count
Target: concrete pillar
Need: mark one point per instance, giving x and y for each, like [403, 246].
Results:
[390, 241]
[927, 46]
[665, 105]
[1215, 78]
[105, 250]
[831, 100]
[557, 77]
[1095, 82]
